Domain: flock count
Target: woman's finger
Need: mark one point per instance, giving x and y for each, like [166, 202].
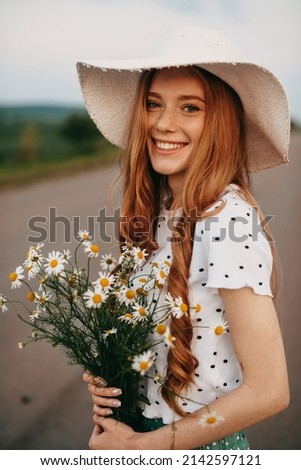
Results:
[97, 381]
[101, 411]
[108, 402]
[104, 391]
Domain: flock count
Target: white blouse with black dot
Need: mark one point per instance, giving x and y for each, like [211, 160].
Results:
[230, 251]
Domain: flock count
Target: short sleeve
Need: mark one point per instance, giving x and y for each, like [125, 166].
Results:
[237, 252]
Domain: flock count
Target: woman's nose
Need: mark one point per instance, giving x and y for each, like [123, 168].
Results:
[166, 121]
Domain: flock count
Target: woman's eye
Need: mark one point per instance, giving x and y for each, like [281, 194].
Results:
[191, 108]
[152, 104]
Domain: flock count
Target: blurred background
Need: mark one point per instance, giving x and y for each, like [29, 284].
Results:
[52, 156]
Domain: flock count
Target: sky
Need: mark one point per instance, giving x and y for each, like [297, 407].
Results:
[41, 40]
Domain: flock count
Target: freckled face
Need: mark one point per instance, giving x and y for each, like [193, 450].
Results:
[175, 120]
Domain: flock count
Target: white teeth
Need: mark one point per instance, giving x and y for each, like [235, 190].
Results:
[168, 146]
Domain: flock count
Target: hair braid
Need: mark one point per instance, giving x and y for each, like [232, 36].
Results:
[181, 360]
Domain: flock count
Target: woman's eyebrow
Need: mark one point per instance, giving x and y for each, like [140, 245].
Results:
[192, 97]
[153, 93]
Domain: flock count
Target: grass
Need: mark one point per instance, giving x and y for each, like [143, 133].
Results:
[34, 144]
[26, 174]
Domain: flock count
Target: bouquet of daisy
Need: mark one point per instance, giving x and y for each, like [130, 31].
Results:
[103, 325]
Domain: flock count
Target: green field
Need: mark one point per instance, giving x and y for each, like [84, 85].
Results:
[43, 141]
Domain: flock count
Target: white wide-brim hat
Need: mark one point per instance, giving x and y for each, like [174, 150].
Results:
[109, 86]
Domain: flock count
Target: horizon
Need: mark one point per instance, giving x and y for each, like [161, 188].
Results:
[295, 121]
[44, 40]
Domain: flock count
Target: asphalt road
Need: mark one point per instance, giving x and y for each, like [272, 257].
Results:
[43, 402]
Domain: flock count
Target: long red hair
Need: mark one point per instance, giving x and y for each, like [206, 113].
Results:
[220, 159]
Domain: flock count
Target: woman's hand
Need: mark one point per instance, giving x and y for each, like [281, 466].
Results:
[111, 434]
[104, 398]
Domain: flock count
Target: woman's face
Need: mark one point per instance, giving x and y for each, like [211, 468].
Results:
[175, 120]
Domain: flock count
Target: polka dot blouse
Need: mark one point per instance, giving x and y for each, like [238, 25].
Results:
[230, 251]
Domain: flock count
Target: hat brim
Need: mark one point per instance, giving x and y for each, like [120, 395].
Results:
[109, 88]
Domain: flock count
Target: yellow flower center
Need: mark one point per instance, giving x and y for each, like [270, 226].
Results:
[211, 420]
[162, 274]
[142, 280]
[161, 329]
[94, 248]
[170, 338]
[184, 308]
[142, 311]
[128, 315]
[198, 308]
[85, 236]
[130, 294]
[53, 263]
[13, 277]
[30, 296]
[97, 298]
[104, 282]
[219, 330]
[167, 263]
[144, 365]
[140, 255]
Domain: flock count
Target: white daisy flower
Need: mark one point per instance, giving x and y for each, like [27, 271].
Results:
[127, 295]
[161, 272]
[140, 312]
[42, 299]
[107, 333]
[220, 328]
[42, 284]
[143, 362]
[108, 262]
[34, 260]
[104, 281]
[34, 255]
[94, 298]
[84, 236]
[3, 301]
[211, 419]
[128, 317]
[127, 249]
[139, 256]
[32, 270]
[169, 339]
[55, 263]
[35, 314]
[126, 254]
[16, 276]
[177, 306]
[67, 254]
[75, 276]
[92, 249]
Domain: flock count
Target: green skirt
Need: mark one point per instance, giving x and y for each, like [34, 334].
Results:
[236, 441]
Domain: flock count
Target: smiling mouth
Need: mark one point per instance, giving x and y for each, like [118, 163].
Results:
[168, 145]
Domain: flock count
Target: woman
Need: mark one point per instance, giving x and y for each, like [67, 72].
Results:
[193, 122]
